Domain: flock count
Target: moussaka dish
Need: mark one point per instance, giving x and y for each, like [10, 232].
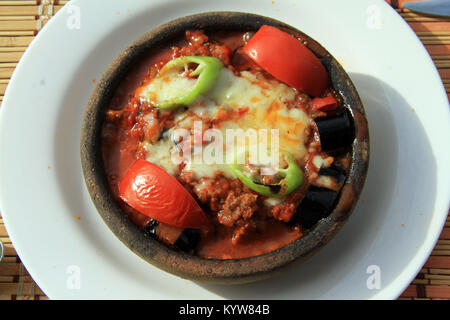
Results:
[249, 90]
[222, 146]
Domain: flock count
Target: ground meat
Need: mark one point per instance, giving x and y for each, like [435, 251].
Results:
[196, 37]
[286, 210]
[232, 204]
[211, 192]
[237, 207]
[221, 52]
[198, 45]
[153, 127]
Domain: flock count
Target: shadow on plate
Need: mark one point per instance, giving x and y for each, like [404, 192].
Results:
[390, 118]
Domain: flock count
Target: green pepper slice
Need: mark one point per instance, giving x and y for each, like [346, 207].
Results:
[292, 179]
[208, 70]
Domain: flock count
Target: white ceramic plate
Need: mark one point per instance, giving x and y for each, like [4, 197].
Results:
[388, 237]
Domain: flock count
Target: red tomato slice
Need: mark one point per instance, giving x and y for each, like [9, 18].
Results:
[288, 60]
[153, 192]
[324, 104]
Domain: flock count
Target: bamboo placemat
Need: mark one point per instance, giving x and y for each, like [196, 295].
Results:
[21, 20]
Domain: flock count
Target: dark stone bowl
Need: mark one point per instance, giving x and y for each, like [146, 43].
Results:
[233, 271]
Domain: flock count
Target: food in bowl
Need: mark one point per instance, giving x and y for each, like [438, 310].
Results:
[176, 173]
[107, 158]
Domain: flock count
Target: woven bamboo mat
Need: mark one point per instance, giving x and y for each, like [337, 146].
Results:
[20, 21]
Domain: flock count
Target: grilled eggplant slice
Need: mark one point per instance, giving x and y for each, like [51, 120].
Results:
[151, 227]
[186, 240]
[335, 131]
[317, 204]
[333, 171]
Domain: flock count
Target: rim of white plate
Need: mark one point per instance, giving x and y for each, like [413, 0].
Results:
[393, 290]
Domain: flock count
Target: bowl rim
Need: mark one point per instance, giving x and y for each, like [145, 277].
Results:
[230, 271]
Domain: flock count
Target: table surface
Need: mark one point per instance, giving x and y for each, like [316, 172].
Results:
[21, 20]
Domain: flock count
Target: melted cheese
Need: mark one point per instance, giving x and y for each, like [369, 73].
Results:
[319, 162]
[160, 153]
[162, 89]
[268, 104]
